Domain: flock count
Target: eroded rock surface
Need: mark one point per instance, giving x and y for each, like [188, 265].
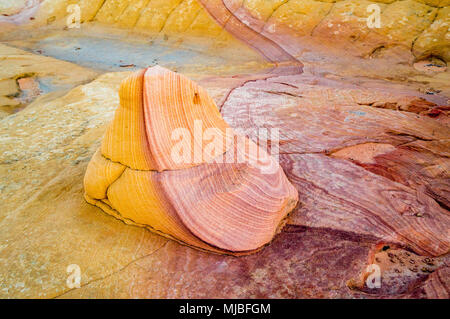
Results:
[402, 273]
[364, 137]
[25, 76]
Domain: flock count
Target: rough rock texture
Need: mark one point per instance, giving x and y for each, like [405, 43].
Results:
[402, 272]
[364, 138]
[300, 263]
[416, 25]
[30, 75]
[131, 262]
[312, 130]
[345, 23]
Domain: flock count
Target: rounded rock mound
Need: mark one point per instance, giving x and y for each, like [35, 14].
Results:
[170, 163]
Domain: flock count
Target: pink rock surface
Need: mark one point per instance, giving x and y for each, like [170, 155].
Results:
[300, 263]
[364, 138]
[317, 120]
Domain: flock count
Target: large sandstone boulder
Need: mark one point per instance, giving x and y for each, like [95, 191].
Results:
[363, 121]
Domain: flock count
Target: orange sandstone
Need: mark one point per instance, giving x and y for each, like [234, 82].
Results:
[211, 204]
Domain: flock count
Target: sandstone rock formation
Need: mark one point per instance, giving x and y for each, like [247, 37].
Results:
[198, 199]
[364, 138]
[418, 25]
[31, 75]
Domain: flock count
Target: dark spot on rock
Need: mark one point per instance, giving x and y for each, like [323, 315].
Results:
[196, 98]
[426, 270]
[51, 19]
[377, 52]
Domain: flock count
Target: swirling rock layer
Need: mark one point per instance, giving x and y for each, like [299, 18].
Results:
[48, 225]
[376, 127]
[322, 126]
[216, 206]
[274, 27]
